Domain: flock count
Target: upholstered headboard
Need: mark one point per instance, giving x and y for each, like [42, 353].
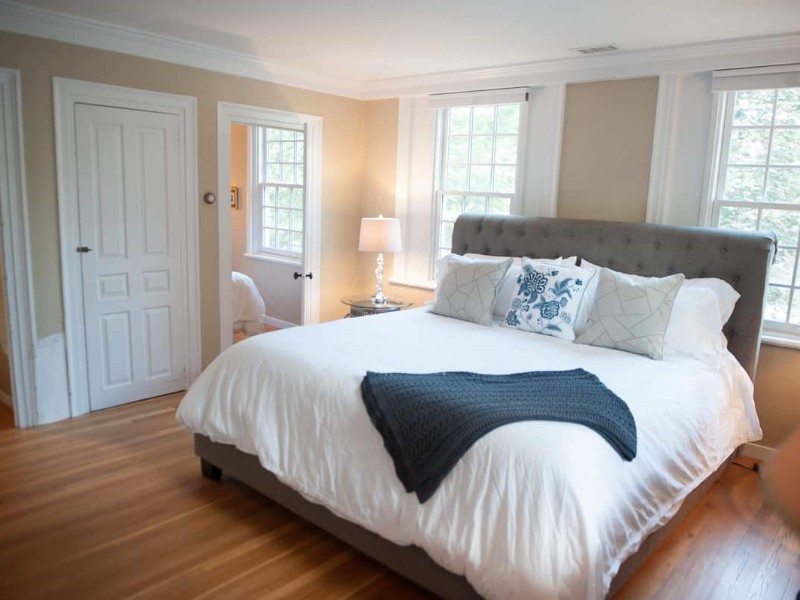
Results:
[740, 258]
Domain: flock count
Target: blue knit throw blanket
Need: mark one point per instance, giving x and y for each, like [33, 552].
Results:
[429, 421]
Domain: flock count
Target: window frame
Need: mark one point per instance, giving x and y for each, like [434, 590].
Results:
[440, 175]
[256, 166]
[781, 333]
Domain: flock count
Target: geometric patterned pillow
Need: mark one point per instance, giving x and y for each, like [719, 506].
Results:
[547, 298]
[468, 289]
[631, 315]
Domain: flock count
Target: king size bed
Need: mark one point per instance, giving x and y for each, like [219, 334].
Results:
[535, 508]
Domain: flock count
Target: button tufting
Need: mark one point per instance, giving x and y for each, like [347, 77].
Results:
[723, 250]
[639, 267]
[546, 234]
[657, 245]
[627, 241]
[688, 247]
[735, 279]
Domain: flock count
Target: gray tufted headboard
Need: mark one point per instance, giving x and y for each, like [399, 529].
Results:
[740, 258]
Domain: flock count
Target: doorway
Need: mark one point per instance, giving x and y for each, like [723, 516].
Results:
[270, 161]
[128, 220]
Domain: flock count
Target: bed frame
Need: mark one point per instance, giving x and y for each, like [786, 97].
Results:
[741, 259]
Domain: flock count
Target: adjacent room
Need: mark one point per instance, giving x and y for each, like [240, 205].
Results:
[399, 300]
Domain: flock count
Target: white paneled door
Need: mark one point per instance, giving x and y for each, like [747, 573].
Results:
[132, 245]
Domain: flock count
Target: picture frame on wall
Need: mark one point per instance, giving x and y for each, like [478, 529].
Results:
[234, 198]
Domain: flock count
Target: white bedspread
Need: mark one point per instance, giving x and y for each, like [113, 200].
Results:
[534, 509]
[249, 309]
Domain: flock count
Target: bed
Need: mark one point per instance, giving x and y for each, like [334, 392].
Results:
[558, 515]
[249, 309]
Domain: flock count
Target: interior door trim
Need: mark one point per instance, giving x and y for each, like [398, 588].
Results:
[66, 94]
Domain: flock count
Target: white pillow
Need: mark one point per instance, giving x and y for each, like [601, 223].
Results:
[548, 296]
[701, 309]
[723, 292]
[695, 328]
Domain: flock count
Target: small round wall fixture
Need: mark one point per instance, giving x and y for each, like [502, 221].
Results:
[209, 197]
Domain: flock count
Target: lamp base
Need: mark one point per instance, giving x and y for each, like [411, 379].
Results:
[379, 300]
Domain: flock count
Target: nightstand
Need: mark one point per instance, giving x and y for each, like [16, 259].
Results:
[361, 306]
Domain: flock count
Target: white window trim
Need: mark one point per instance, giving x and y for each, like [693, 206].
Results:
[541, 145]
[254, 248]
[773, 332]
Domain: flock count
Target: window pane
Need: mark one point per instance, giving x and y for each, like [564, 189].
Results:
[297, 242]
[274, 152]
[499, 206]
[483, 119]
[271, 196]
[732, 217]
[297, 220]
[506, 150]
[777, 306]
[782, 270]
[451, 207]
[288, 173]
[753, 107]
[785, 224]
[268, 217]
[508, 118]
[743, 183]
[300, 175]
[505, 179]
[749, 147]
[297, 199]
[475, 204]
[481, 149]
[273, 134]
[274, 173]
[787, 111]
[459, 120]
[456, 178]
[794, 318]
[284, 218]
[283, 240]
[268, 237]
[480, 178]
[785, 147]
[446, 237]
[783, 185]
[457, 149]
[284, 198]
[288, 152]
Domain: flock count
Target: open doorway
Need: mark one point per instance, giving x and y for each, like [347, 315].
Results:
[269, 166]
[267, 206]
[6, 387]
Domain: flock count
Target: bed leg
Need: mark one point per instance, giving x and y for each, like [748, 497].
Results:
[210, 471]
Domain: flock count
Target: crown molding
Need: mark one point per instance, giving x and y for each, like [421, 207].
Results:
[725, 54]
[706, 56]
[20, 18]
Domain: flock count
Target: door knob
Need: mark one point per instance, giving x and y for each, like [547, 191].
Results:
[83, 249]
[299, 275]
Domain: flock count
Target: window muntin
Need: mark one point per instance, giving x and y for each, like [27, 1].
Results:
[477, 165]
[279, 190]
[758, 187]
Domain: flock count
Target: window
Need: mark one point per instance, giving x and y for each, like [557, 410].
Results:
[477, 165]
[758, 186]
[278, 173]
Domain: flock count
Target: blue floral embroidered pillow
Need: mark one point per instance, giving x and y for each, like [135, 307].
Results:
[548, 298]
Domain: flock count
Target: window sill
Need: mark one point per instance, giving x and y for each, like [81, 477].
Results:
[420, 285]
[272, 258]
[782, 339]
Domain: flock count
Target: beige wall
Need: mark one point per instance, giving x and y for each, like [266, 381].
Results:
[778, 392]
[606, 147]
[380, 179]
[40, 60]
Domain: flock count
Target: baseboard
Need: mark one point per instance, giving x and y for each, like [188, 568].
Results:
[5, 398]
[756, 451]
[277, 323]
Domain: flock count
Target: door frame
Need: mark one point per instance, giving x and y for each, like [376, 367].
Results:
[229, 114]
[66, 94]
[20, 308]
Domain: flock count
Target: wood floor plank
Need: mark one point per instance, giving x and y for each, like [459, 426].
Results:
[112, 505]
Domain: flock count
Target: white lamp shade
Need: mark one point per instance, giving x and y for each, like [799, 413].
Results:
[380, 235]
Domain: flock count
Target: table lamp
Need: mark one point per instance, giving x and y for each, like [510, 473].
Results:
[380, 235]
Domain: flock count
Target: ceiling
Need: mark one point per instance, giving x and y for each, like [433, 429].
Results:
[370, 40]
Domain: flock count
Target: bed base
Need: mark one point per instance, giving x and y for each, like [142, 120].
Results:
[409, 561]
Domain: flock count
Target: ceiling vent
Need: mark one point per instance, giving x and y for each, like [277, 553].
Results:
[596, 49]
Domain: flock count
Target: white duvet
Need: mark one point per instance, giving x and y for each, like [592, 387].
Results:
[249, 309]
[532, 510]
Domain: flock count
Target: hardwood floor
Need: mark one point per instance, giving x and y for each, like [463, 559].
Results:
[112, 505]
